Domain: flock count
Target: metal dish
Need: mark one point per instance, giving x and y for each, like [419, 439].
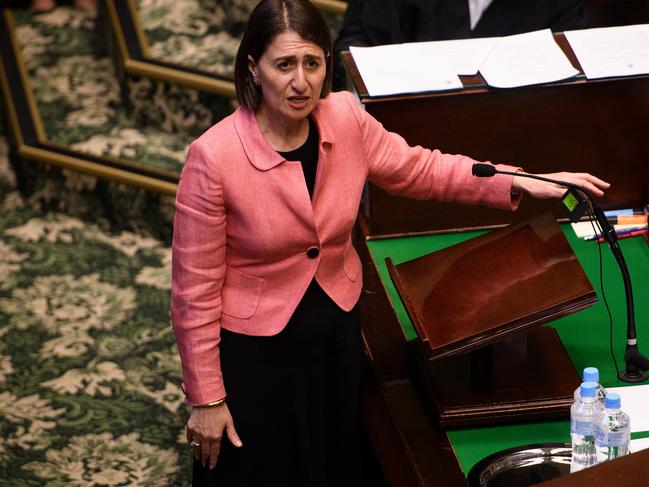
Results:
[522, 466]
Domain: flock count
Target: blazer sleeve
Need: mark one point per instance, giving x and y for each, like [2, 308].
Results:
[420, 173]
[198, 270]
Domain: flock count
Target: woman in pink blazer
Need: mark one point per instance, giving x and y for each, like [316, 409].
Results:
[265, 278]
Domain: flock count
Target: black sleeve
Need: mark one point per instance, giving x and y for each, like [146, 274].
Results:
[353, 31]
[569, 16]
[351, 34]
[367, 23]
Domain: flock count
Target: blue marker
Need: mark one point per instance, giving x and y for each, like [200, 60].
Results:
[625, 211]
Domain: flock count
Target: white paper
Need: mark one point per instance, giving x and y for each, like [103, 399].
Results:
[526, 59]
[639, 444]
[462, 57]
[611, 51]
[389, 70]
[635, 402]
[584, 229]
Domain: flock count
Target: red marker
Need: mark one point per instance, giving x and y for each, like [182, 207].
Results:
[625, 235]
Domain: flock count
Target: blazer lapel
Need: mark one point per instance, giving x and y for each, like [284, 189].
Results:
[327, 137]
[259, 152]
[287, 180]
[325, 132]
[262, 156]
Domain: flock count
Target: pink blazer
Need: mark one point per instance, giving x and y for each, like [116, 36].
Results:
[244, 224]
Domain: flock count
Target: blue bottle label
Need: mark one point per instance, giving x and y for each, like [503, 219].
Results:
[612, 439]
[584, 428]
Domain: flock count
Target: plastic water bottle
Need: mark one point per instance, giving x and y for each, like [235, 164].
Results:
[613, 431]
[591, 374]
[584, 414]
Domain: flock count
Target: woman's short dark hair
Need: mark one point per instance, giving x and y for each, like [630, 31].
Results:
[268, 19]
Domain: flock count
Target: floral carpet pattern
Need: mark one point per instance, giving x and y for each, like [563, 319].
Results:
[89, 373]
[79, 101]
[202, 34]
[78, 94]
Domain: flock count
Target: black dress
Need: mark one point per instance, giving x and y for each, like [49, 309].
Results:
[294, 396]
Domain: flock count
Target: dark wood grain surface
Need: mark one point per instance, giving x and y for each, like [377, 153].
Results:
[411, 446]
[481, 290]
[482, 296]
[628, 471]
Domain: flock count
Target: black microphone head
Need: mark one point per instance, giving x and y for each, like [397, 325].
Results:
[483, 170]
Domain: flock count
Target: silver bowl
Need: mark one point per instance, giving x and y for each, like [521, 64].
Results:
[522, 466]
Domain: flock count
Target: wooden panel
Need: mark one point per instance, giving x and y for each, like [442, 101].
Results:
[595, 126]
[479, 291]
[478, 296]
[385, 342]
[411, 447]
[628, 471]
[502, 383]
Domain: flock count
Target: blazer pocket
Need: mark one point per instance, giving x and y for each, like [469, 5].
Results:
[241, 293]
[351, 263]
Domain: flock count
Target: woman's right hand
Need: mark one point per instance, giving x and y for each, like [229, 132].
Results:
[205, 431]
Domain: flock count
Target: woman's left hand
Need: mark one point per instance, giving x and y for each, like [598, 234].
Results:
[544, 190]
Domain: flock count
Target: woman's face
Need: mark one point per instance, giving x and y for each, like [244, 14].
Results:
[291, 73]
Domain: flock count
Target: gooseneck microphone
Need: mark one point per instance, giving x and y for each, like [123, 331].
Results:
[636, 364]
[484, 170]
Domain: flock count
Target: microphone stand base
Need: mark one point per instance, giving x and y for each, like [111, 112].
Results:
[634, 377]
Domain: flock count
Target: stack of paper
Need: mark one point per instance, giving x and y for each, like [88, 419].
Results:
[526, 59]
[419, 66]
[612, 51]
[639, 444]
[634, 403]
[388, 70]
[462, 56]
[504, 62]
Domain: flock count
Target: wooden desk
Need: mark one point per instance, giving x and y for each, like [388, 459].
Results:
[628, 471]
[412, 449]
[578, 125]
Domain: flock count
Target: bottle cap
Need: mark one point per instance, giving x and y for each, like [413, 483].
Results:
[587, 389]
[591, 374]
[612, 401]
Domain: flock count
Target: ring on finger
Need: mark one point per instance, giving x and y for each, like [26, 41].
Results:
[195, 443]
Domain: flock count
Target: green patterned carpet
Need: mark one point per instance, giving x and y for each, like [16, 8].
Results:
[201, 34]
[78, 94]
[89, 374]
